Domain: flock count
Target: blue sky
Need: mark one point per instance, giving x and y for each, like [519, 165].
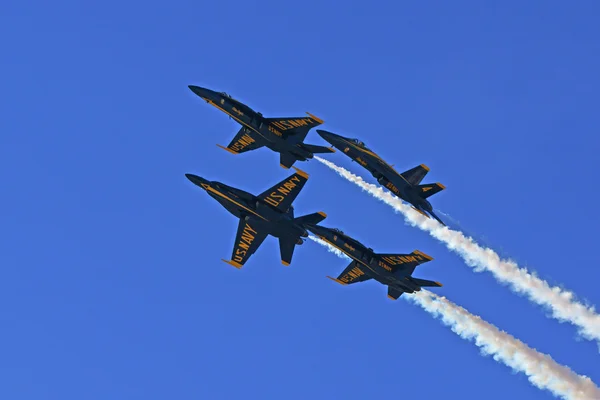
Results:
[112, 283]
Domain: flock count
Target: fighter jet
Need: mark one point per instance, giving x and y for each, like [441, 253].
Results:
[282, 135]
[269, 213]
[393, 270]
[405, 185]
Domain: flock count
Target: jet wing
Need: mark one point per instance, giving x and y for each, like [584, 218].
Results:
[245, 140]
[247, 241]
[285, 192]
[353, 273]
[295, 126]
[405, 261]
[415, 175]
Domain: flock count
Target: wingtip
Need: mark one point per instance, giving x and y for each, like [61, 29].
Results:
[425, 167]
[332, 149]
[322, 214]
[227, 149]
[283, 166]
[439, 284]
[337, 280]
[390, 297]
[441, 186]
[427, 256]
[287, 264]
[319, 120]
[232, 263]
[300, 172]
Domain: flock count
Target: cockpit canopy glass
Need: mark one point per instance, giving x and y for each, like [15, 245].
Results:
[226, 95]
[338, 230]
[359, 143]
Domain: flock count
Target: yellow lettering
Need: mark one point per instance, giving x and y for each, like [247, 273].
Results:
[283, 191]
[276, 196]
[275, 131]
[248, 227]
[247, 237]
[271, 201]
[390, 186]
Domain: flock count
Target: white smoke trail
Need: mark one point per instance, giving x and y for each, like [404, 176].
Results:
[329, 247]
[562, 303]
[541, 370]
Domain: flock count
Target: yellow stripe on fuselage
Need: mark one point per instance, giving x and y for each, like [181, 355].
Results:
[349, 255]
[234, 117]
[376, 156]
[235, 202]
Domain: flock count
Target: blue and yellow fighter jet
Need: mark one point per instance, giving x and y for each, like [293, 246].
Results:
[393, 270]
[270, 213]
[405, 185]
[282, 135]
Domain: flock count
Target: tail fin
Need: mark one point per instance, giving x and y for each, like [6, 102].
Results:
[313, 148]
[311, 219]
[430, 189]
[415, 175]
[286, 250]
[425, 282]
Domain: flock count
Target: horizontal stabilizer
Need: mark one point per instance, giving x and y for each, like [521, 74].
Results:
[286, 160]
[431, 189]
[394, 293]
[286, 249]
[311, 219]
[425, 282]
[313, 148]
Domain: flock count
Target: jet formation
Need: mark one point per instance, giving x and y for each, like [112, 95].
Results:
[272, 212]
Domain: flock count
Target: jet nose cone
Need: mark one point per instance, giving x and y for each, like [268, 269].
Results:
[202, 92]
[330, 137]
[196, 180]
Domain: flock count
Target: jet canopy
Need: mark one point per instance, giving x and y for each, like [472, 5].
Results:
[359, 143]
[338, 230]
[226, 95]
